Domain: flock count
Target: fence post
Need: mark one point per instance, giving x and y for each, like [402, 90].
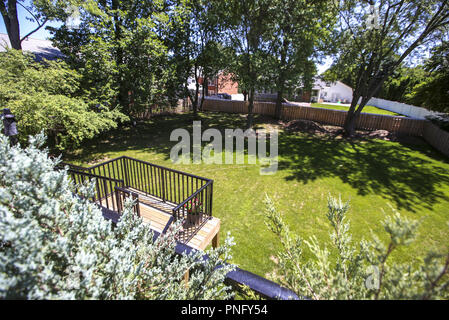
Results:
[215, 241]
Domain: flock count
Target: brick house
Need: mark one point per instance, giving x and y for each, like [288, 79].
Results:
[221, 84]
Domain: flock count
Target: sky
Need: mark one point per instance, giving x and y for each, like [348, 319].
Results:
[26, 26]
[325, 65]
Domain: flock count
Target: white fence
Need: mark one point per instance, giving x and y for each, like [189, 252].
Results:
[401, 108]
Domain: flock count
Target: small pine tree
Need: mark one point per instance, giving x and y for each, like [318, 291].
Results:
[350, 273]
[56, 245]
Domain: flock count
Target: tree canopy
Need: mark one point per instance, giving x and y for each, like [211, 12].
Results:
[47, 96]
[376, 37]
[433, 91]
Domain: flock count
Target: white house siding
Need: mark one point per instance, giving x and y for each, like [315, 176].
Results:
[336, 92]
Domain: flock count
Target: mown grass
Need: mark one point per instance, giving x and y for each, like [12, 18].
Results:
[366, 109]
[373, 175]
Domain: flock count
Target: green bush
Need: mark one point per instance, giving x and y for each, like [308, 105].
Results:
[46, 96]
[346, 272]
[55, 245]
[440, 119]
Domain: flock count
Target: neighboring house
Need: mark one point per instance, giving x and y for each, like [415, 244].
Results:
[331, 92]
[218, 84]
[223, 83]
[41, 48]
[322, 91]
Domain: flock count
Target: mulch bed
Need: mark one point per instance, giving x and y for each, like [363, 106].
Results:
[315, 128]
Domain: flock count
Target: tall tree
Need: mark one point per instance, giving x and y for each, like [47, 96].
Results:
[39, 11]
[213, 62]
[195, 43]
[297, 34]
[377, 36]
[121, 50]
[247, 23]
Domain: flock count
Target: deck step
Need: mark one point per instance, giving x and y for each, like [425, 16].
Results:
[157, 213]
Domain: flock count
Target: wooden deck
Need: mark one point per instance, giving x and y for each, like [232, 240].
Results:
[156, 213]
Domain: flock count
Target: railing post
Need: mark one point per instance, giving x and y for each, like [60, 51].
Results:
[126, 172]
[163, 185]
[118, 200]
[186, 278]
[105, 190]
[211, 195]
[137, 205]
[215, 241]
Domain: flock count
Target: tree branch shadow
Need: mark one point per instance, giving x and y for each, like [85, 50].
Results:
[410, 176]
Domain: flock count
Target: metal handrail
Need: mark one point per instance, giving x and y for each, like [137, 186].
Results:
[102, 185]
[170, 185]
[71, 166]
[164, 168]
[134, 196]
[192, 195]
[91, 175]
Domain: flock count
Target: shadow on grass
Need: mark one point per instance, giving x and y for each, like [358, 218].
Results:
[400, 173]
[154, 135]
[397, 172]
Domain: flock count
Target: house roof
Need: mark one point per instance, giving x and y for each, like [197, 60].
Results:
[40, 48]
[319, 83]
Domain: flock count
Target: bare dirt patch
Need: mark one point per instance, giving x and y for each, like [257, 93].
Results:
[329, 131]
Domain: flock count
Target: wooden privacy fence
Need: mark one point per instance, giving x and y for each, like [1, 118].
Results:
[436, 137]
[183, 105]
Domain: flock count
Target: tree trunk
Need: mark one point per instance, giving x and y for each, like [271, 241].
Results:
[281, 79]
[349, 126]
[123, 91]
[12, 23]
[250, 117]
[353, 115]
[195, 100]
[204, 91]
[245, 94]
[278, 108]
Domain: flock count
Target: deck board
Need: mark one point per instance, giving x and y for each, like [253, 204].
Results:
[157, 213]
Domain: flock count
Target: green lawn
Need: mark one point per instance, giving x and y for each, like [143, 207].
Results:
[411, 178]
[366, 109]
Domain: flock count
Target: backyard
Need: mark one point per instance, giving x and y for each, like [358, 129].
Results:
[366, 109]
[372, 174]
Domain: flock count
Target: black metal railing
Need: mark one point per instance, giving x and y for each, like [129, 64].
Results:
[170, 185]
[105, 187]
[197, 206]
[167, 184]
[108, 193]
[123, 194]
[189, 195]
[119, 177]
